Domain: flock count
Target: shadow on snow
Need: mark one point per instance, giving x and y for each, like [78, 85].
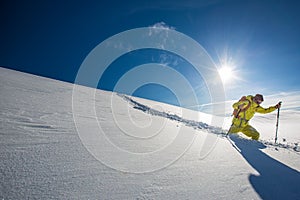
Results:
[275, 180]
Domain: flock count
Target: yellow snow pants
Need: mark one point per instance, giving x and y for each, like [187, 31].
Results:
[247, 130]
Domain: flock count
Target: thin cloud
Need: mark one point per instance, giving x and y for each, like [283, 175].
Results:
[290, 102]
[160, 27]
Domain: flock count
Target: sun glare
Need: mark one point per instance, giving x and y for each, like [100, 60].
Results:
[226, 74]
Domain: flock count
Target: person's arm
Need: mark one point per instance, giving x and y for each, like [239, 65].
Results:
[262, 110]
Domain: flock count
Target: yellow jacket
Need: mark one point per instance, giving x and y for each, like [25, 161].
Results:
[244, 116]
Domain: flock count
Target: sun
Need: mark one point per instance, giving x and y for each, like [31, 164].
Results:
[226, 74]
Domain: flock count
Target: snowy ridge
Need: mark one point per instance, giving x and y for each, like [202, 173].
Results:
[201, 125]
[191, 123]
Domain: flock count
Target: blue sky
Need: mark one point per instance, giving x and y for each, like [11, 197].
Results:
[259, 40]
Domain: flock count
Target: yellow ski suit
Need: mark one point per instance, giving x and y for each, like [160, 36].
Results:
[240, 122]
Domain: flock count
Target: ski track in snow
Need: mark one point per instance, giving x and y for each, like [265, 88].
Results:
[200, 125]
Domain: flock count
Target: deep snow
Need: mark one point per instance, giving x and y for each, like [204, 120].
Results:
[43, 154]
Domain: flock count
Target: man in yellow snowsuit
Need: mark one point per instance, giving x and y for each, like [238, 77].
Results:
[244, 110]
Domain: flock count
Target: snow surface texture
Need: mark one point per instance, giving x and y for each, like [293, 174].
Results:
[43, 156]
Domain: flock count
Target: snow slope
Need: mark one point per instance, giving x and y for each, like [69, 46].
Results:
[51, 149]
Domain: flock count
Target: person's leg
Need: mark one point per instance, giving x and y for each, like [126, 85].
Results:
[234, 129]
[250, 132]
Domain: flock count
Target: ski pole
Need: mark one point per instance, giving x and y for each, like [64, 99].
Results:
[236, 116]
[277, 122]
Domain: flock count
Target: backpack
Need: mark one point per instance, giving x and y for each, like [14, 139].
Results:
[236, 112]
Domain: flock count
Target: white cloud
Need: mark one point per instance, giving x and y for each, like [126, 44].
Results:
[162, 25]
